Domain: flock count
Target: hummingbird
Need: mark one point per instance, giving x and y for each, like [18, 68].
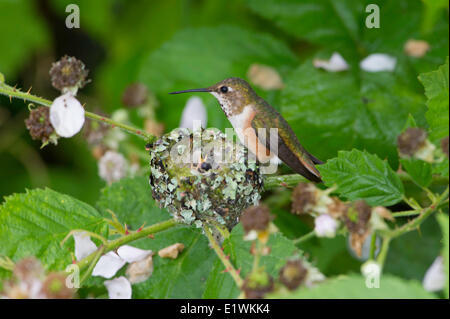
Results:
[253, 118]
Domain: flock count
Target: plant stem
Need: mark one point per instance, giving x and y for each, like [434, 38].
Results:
[116, 243]
[413, 224]
[305, 237]
[26, 96]
[384, 250]
[225, 260]
[289, 180]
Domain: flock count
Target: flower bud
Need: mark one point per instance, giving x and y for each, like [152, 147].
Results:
[308, 199]
[112, 166]
[257, 284]
[325, 226]
[39, 126]
[357, 221]
[68, 75]
[256, 218]
[293, 274]
[54, 287]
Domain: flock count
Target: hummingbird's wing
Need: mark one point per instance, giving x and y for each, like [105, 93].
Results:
[289, 149]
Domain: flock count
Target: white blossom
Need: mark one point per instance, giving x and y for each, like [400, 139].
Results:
[118, 288]
[112, 166]
[378, 62]
[66, 115]
[108, 265]
[84, 246]
[132, 254]
[325, 226]
[194, 114]
[335, 64]
[434, 279]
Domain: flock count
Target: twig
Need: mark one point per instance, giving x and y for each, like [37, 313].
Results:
[305, 237]
[26, 96]
[225, 260]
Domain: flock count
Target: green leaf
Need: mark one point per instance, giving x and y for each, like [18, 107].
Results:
[35, 223]
[23, 31]
[354, 287]
[360, 175]
[437, 92]
[443, 221]
[131, 200]
[183, 277]
[331, 112]
[209, 55]
[420, 171]
[221, 285]
[441, 168]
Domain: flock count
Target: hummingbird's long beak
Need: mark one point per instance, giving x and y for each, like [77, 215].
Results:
[192, 90]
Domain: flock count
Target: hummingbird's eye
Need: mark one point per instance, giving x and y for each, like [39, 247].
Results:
[224, 89]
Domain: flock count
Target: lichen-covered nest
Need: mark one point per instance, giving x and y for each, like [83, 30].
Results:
[203, 177]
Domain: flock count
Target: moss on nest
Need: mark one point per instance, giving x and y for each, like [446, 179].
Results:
[203, 177]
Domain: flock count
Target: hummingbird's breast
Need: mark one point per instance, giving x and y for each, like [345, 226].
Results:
[242, 124]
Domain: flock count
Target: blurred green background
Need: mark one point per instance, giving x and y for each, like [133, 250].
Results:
[181, 44]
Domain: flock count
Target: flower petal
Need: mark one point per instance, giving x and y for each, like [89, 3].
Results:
[434, 279]
[108, 265]
[335, 64]
[325, 226]
[140, 271]
[118, 288]
[84, 246]
[194, 114]
[378, 62]
[66, 115]
[132, 254]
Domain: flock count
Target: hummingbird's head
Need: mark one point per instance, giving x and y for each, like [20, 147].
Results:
[233, 94]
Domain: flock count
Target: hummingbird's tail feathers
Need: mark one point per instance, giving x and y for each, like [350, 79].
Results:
[302, 166]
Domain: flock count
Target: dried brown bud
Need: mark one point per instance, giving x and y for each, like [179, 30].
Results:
[357, 221]
[256, 218]
[135, 94]
[68, 74]
[27, 269]
[95, 131]
[293, 274]
[38, 123]
[54, 287]
[303, 198]
[357, 217]
[444, 145]
[411, 140]
[257, 285]
[337, 208]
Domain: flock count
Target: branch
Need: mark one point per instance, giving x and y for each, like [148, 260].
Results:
[416, 222]
[116, 243]
[289, 180]
[12, 92]
[225, 260]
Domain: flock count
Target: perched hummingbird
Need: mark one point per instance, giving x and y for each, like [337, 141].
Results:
[248, 112]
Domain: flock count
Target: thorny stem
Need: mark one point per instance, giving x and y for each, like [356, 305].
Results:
[290, 180]
[12, 92]
[225, 260]
[413, 224]
[125, 239]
